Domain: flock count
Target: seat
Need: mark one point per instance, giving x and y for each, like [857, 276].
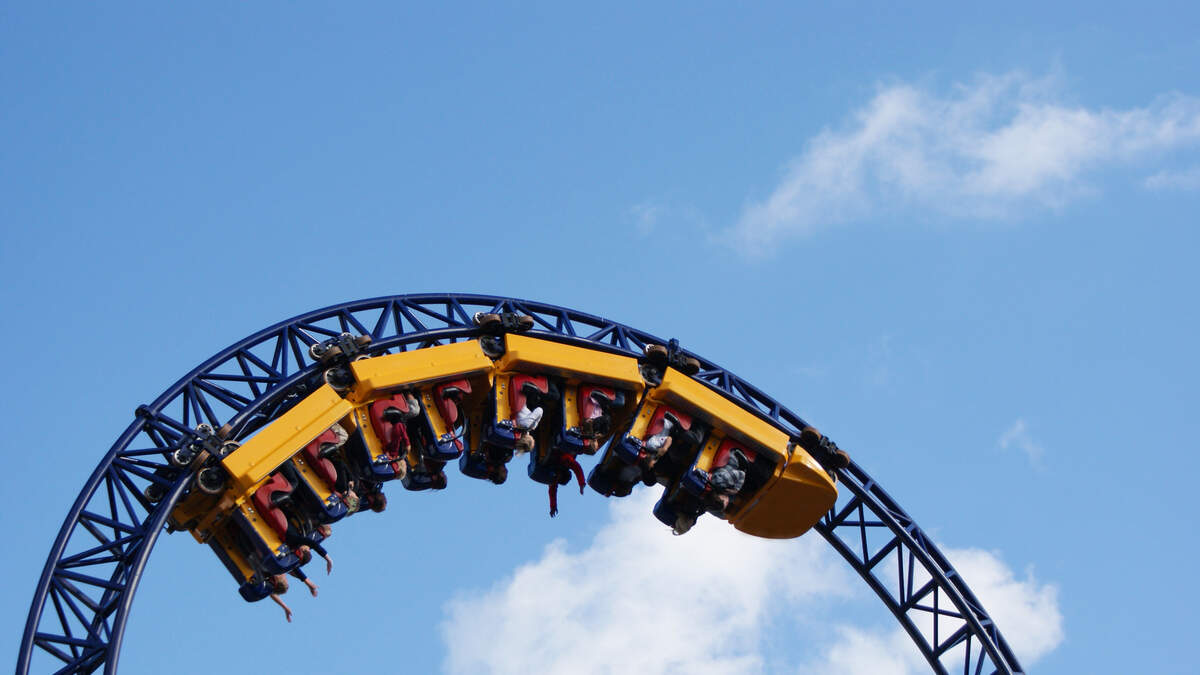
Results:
[321, 465]
[588, 407]
[267, 503]
[445, 395]
[517, 395]
[439, 439]
[387, 421]
[632, 449]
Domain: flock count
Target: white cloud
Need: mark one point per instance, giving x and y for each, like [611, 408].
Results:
[1025, 610]
[990, 149]
[1175, 180]
[1017, 436]
[638, 600]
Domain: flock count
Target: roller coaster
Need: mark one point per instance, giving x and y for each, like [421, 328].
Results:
[261, 448]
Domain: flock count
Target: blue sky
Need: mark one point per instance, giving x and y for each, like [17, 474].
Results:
[960, 242]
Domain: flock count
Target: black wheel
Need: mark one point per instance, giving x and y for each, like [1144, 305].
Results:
[154, 493]
[339, 379]
[211, 480]
[317, 350]
[182, 457]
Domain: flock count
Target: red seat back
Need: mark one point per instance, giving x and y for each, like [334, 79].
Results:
[726, 447]
[656, 421]
[516, 398]
[322, 466]
[587, 407]
[268, 511]
[384, 430]
[448, 408]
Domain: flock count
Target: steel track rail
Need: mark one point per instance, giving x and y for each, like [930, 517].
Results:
[84, 595]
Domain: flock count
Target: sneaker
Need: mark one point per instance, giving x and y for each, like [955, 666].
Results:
[670, 417]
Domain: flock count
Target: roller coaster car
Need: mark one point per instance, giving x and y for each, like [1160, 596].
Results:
[509, 396]
[424, 474]
[590, 413]
[444, 424]
[641, 453]
[262, 522]
[696, 492]
[316, 476]
[231, 552]
[785, 492]
[384, 436]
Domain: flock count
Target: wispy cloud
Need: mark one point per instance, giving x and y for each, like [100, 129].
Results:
[1017, 436]
[994, 148]
[1175, 180]
[638, 600]
[645, 216]
[648, 216]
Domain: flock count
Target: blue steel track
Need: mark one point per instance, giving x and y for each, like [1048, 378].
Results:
[85, 593]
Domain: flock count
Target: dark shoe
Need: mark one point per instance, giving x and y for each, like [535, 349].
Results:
[657, 353]
[486, 319]
[670, 417]
[530, 391]
[601, 400]
[840, 460]
[687, 365]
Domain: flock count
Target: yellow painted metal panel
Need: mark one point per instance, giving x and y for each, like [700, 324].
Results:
[694, 397]
[642, 422]
[267, 533]
[320, 487]
[709, 452]
[571, 407]
[362, 420]
[436, 421]
[503, 403]
[279, 440]
[790, 505]
[382, 375]
[531, 355]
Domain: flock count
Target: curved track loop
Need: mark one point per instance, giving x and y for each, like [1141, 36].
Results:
[83, 598]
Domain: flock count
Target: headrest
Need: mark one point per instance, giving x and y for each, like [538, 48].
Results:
[443, 395]
[656, 421]
[588, 407]
[518, 382]
[266, 506]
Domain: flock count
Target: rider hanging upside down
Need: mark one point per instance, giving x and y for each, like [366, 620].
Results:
[396, 440]
[564, 464]
[530, 414]
[598, 422]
